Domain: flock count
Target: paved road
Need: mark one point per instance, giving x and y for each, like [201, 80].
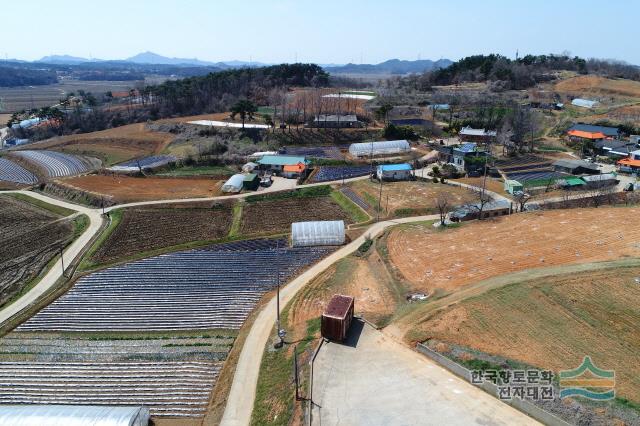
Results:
[373, 380]
[73, 251]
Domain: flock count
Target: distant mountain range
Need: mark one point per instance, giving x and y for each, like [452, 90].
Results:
[149, 58]
[392, 66]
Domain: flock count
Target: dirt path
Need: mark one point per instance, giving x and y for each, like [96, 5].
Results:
[420, 313]
[55, 271]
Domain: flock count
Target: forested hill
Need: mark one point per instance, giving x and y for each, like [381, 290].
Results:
[11, 76]
[216, 91]
[526, 71]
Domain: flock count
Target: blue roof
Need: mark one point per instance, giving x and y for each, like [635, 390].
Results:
[395, 167]
[467, 147]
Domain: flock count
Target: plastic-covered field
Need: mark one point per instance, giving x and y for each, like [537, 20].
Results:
[215, 123]
[536, 176]
[15, 173]
[150, 162]
[332, 152]
[56, 164]
[216, 287]
[331, 173]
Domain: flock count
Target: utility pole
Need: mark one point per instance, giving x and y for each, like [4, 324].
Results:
[379, 200]
[62, 261]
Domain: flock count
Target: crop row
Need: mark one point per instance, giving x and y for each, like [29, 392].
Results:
[56, 164]
[331, 173]
[12, 172]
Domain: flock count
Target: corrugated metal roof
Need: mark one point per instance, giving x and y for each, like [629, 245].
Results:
[598, 178]
[338, 306]
[335, 117]
[574, 164]
[584, 103]
[281, 160]
[469, 131]
[574, 181]
[609, 131]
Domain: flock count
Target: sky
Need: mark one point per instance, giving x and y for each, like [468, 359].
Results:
[328, 31]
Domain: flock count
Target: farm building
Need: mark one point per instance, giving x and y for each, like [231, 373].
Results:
[364, 149]
[584, 103]
[251, 182]
[276, 163]
[576, 167]
[600, 181]
[336, 121]
[463, 156]
[472, 211]
[337, 317]
[318, 233]
[234, 183]
[394, 172]
[469, 134]
[631, 164]
[571, 182]
[72, 415]
[581, 135]
[512, 186]
[293, 171]
[609, 132]
[614, 148]
[249, 167]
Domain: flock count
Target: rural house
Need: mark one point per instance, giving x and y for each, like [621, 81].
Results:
[613, 148]
[293, 171]
[336, 121]
[469, 134]
[631, 164]
[276, 163]
[468, 157]
[608, 132]
[472, 211]
[394, 172]
[576, 167]
[600, 181]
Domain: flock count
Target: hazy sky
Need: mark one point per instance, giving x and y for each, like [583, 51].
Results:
[324, 31]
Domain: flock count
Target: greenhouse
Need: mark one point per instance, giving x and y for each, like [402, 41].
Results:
[364, 149]
[321, 233]
[72, 415]
[234, 183]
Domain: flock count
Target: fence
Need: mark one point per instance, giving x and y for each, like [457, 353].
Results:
[520, 404]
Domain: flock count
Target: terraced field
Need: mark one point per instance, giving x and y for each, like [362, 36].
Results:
[144, 163]
[15, 173]
[56, 164]
[144, 229]
[29, 238]
[153, 332]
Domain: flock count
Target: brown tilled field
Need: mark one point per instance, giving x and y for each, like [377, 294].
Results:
[558, 320]
[412, 198]
[124, 189]
[29, 238]
[144, 229]
[274, 216]
[592, 84]
[112, 145]
[449, 259]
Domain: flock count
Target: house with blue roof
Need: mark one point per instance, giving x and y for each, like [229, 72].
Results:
[276, 163]
[394, 171]
[468, 157]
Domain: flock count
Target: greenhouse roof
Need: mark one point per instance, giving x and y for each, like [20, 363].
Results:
[72, 415]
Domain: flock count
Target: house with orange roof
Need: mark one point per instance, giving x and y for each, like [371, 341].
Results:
[631, 164]
[293, 171]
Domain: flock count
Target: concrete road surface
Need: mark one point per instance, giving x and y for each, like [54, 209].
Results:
[373, 380]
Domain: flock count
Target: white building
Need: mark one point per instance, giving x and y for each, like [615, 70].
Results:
[365, 149]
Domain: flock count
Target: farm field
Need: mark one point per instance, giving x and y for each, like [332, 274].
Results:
[599, 86]
[15, 173]
[567, 317]
[329, 173]
[26, 97]
[144, 229]
[409, 198]
[123, 189]
[276, 215]
[431, 260]
[29, 238]
[153, 332]
[112, 145]
[55, 164]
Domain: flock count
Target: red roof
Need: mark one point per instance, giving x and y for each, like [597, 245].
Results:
[629, 162]
[338, 306]
[295, 168]
[586, 135]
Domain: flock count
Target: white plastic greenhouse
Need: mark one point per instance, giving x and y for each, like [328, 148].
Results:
[233, 184]
[321, 233]
[364, 149]
[72, 415]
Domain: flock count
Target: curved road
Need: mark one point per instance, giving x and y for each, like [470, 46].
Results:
[70, 254]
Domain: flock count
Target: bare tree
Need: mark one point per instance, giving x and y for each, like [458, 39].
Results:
[442, 204]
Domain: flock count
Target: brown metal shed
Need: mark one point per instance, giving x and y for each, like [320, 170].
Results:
[337, 317]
